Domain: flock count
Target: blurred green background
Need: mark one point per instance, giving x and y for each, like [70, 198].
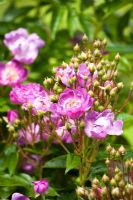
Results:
[61, 23]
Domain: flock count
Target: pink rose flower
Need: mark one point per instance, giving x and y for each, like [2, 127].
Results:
[31, 94]
[12, 73]
[74, 103]
[31, 134]
[12, 115]
[24, 47]
[99, 125]
[18, 196]
[65, 74]
[41, 186]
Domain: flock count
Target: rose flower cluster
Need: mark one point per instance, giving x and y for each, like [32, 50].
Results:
[77, 105]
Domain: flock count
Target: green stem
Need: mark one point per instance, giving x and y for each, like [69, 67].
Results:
[87, 160]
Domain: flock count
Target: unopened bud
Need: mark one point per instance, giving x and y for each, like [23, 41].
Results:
[100, 108]
[117, 57]
[83, 56]
[105, 179]
[115, 74]
[91, 67]
[109, 148]
[96, 103]
[129, 188]
[104, 42]
[92, 194]
[113, 91]
[54, 98]
[113, 64]
[64, 64]
[90, 92]
[122, 150]
[95, 181]
[113, 182]
[85, 38]
[97, 53]
[99, 66]
[104, 191]
[104, 77]
[120, 85]
[101, 73]
[11, 128]
[117, 178]
[82, 124]
[76, 47]
[97, 44]
[113, 152]
[81, 191]
[121, 184]
[115, 192]
[107, 162]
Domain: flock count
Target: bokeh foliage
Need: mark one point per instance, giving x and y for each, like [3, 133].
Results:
[62, 23]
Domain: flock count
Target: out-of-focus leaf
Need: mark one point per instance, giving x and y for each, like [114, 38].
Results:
[98, 169]
[72, 162]
[12, 162]
[121, 48]
[56, 20]
[11, 181]
[72, 21]
[13, 12]
[51, 192]
[5, 192]
[58, 162]
[112, 6]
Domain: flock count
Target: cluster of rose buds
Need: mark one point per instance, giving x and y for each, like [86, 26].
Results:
[118, 182]
[24, 48]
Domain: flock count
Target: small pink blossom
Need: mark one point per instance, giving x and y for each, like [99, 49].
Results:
[31, 94]
[29, 135]
[12, 73]
[18, 196]
[99, 125]
[23, 46]
[65, 74]
[74, 103]
[12, 115]
[41, 186]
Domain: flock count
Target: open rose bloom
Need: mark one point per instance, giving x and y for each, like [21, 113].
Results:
[23, 46]
[12, 73]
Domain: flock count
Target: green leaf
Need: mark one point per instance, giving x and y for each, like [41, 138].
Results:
[51, 192]
[11, 181]
[58, 162]
[72, 21]
[5, 192]
[121, 48]
[12, 162]
[72, 162]
[56, 20]
[13, 12]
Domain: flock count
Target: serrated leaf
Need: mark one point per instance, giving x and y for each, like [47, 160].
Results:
[58, 162]
[72, 162]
